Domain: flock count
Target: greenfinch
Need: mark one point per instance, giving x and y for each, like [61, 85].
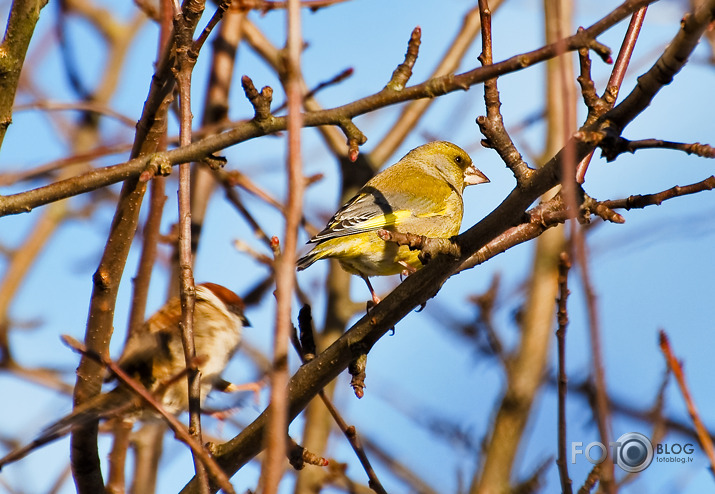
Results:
[420, 194]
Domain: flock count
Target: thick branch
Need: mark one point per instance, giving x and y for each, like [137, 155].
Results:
[20, 28]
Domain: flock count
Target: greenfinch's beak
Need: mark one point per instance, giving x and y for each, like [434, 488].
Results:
[472, 176]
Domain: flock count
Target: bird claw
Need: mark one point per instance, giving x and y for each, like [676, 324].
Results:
[408, 268]
[254, 387]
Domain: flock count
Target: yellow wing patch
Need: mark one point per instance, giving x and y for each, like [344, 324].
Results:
[388, 219]
[431, 214]
[395, 218]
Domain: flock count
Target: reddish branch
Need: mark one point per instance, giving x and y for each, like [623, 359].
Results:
[598, 106]
[187, 49]
[576, 168]
[674, 57]
[677, 370]
[275, 440]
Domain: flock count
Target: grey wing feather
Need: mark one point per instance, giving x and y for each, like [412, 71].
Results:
[369, 204]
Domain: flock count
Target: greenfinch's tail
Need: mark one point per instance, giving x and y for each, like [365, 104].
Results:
[308, 259]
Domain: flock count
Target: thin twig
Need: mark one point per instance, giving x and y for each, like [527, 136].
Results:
[268, 5]
[677, 370]
[215, 18]
[413, 112]
[187, 51]
[345, 74]
[84, 106]
[553, 212]
[148, 255]
[621, 145]
[579, 245]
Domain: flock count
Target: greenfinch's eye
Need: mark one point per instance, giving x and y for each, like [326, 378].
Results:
[458, 159]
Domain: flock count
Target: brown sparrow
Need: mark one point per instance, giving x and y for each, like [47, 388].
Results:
[154, 356]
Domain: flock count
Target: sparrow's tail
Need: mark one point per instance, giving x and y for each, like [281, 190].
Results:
[102, 406]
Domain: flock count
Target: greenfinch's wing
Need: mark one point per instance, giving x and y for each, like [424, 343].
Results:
[371, 210]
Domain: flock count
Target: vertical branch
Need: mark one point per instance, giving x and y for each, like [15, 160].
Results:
[184, 24]
[117, 457]
[569, 192]
[147, 442]
[156, 204]
[106, 279]
[152, 233]
[122, 429]
[285, 269]
[563, 319]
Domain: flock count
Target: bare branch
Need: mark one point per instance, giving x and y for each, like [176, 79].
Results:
[677, 370]
[563, 318]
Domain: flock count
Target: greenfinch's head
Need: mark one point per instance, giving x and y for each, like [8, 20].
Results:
[449, 161]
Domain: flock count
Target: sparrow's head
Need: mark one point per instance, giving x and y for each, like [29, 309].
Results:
[222, 297]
